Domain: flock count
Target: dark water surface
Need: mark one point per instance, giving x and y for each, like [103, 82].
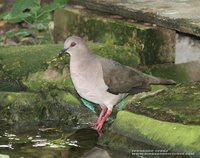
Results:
[42, 142]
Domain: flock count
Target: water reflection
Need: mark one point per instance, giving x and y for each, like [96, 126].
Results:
[43, 142]
[96, 152]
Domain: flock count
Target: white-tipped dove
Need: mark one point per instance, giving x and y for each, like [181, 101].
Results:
[104, 81]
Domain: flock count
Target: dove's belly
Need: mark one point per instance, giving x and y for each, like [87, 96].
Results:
[88, 89]
[87, 77]
[93, 88]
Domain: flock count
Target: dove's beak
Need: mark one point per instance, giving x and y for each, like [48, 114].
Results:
[62, 52]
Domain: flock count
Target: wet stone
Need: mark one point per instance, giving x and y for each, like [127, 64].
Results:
[173, 137]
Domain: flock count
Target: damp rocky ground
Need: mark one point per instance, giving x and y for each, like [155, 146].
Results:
[39, 93]
[60, 142]
[41, 114]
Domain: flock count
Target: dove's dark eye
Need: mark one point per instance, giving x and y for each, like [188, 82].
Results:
[72, 44]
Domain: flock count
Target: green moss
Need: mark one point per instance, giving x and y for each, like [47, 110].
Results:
[70, 86]
[149, 42]
[55, 105]
[173, 136]
[11, 97]
[16, 107]
[185, 72]
[47, 79]
[175, 104]
[71, 99]
[157, 46]
[99, 30]
[19, 61]
[178, 73]
[124, 55]
[122, 143]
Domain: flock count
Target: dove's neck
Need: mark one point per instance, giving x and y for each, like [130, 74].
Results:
[80, 60]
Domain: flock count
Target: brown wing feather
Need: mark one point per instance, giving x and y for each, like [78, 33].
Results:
[123, 79]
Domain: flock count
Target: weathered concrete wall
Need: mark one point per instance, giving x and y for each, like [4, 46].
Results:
[177, 15]
[187, 48]
[153, 44]
[172, 15]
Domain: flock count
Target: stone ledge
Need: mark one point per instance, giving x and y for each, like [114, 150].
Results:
[177, 15]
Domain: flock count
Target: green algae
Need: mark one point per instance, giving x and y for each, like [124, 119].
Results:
[71, 99]
[172, 136]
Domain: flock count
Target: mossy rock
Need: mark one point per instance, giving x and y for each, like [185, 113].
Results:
[18, 106]
[151, 44]
[21, 64]
[175, 104]
[185, 72]
[54, 106]
[17, 62]
[122, 143]
[171, 136]
[121, 54]
[55, 76]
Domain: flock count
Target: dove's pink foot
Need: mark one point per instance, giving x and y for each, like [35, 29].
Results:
[101, 119]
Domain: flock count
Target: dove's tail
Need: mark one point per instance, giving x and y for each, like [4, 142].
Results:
[160, 81]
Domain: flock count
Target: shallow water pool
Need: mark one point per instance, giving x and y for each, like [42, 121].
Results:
[47, 142]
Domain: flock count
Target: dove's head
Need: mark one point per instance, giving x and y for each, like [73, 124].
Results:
[74, 45]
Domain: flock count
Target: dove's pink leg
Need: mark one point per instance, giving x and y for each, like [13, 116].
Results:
[103, 110]
[101, 114]
[100, 124]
